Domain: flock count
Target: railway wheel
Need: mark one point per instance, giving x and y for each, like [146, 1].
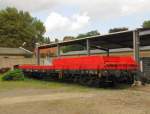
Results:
[83, 79]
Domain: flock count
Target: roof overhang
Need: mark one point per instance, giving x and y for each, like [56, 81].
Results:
[109, 41]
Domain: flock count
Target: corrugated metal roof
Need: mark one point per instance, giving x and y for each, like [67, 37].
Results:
[14, 51]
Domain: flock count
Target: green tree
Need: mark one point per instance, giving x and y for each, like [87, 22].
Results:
[70, 47]
[118, 29]
[88, 34]
[47, 40]
[17, 27]
[78, 47]
[67, 38]
[146, 24]
[56, 40]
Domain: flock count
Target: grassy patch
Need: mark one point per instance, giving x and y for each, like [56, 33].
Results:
[39, 84]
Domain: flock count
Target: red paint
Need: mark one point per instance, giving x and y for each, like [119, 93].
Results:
[88, 63]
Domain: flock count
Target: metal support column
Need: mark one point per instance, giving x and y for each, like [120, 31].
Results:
[136, 52]
[58, 50]
[136, 46]
[88, 46]
[37, 54]
[108, 52]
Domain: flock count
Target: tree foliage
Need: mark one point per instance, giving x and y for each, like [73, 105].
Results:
[88, 34]
[146, 24]
[17, 27]
[118, 29]
[66, 38]
[70, 47]
[78, 47]
[47, 40]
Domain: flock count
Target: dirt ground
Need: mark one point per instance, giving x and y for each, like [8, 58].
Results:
[56, 101]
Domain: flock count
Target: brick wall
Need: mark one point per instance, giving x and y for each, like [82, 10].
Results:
[10, 62]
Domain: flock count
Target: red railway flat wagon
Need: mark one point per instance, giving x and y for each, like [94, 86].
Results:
[87, 69]
[88, 63]
[95, 63]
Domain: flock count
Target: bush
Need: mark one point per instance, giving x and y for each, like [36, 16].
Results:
[15, 75]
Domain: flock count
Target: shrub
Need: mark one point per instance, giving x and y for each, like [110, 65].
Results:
[15, 75]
